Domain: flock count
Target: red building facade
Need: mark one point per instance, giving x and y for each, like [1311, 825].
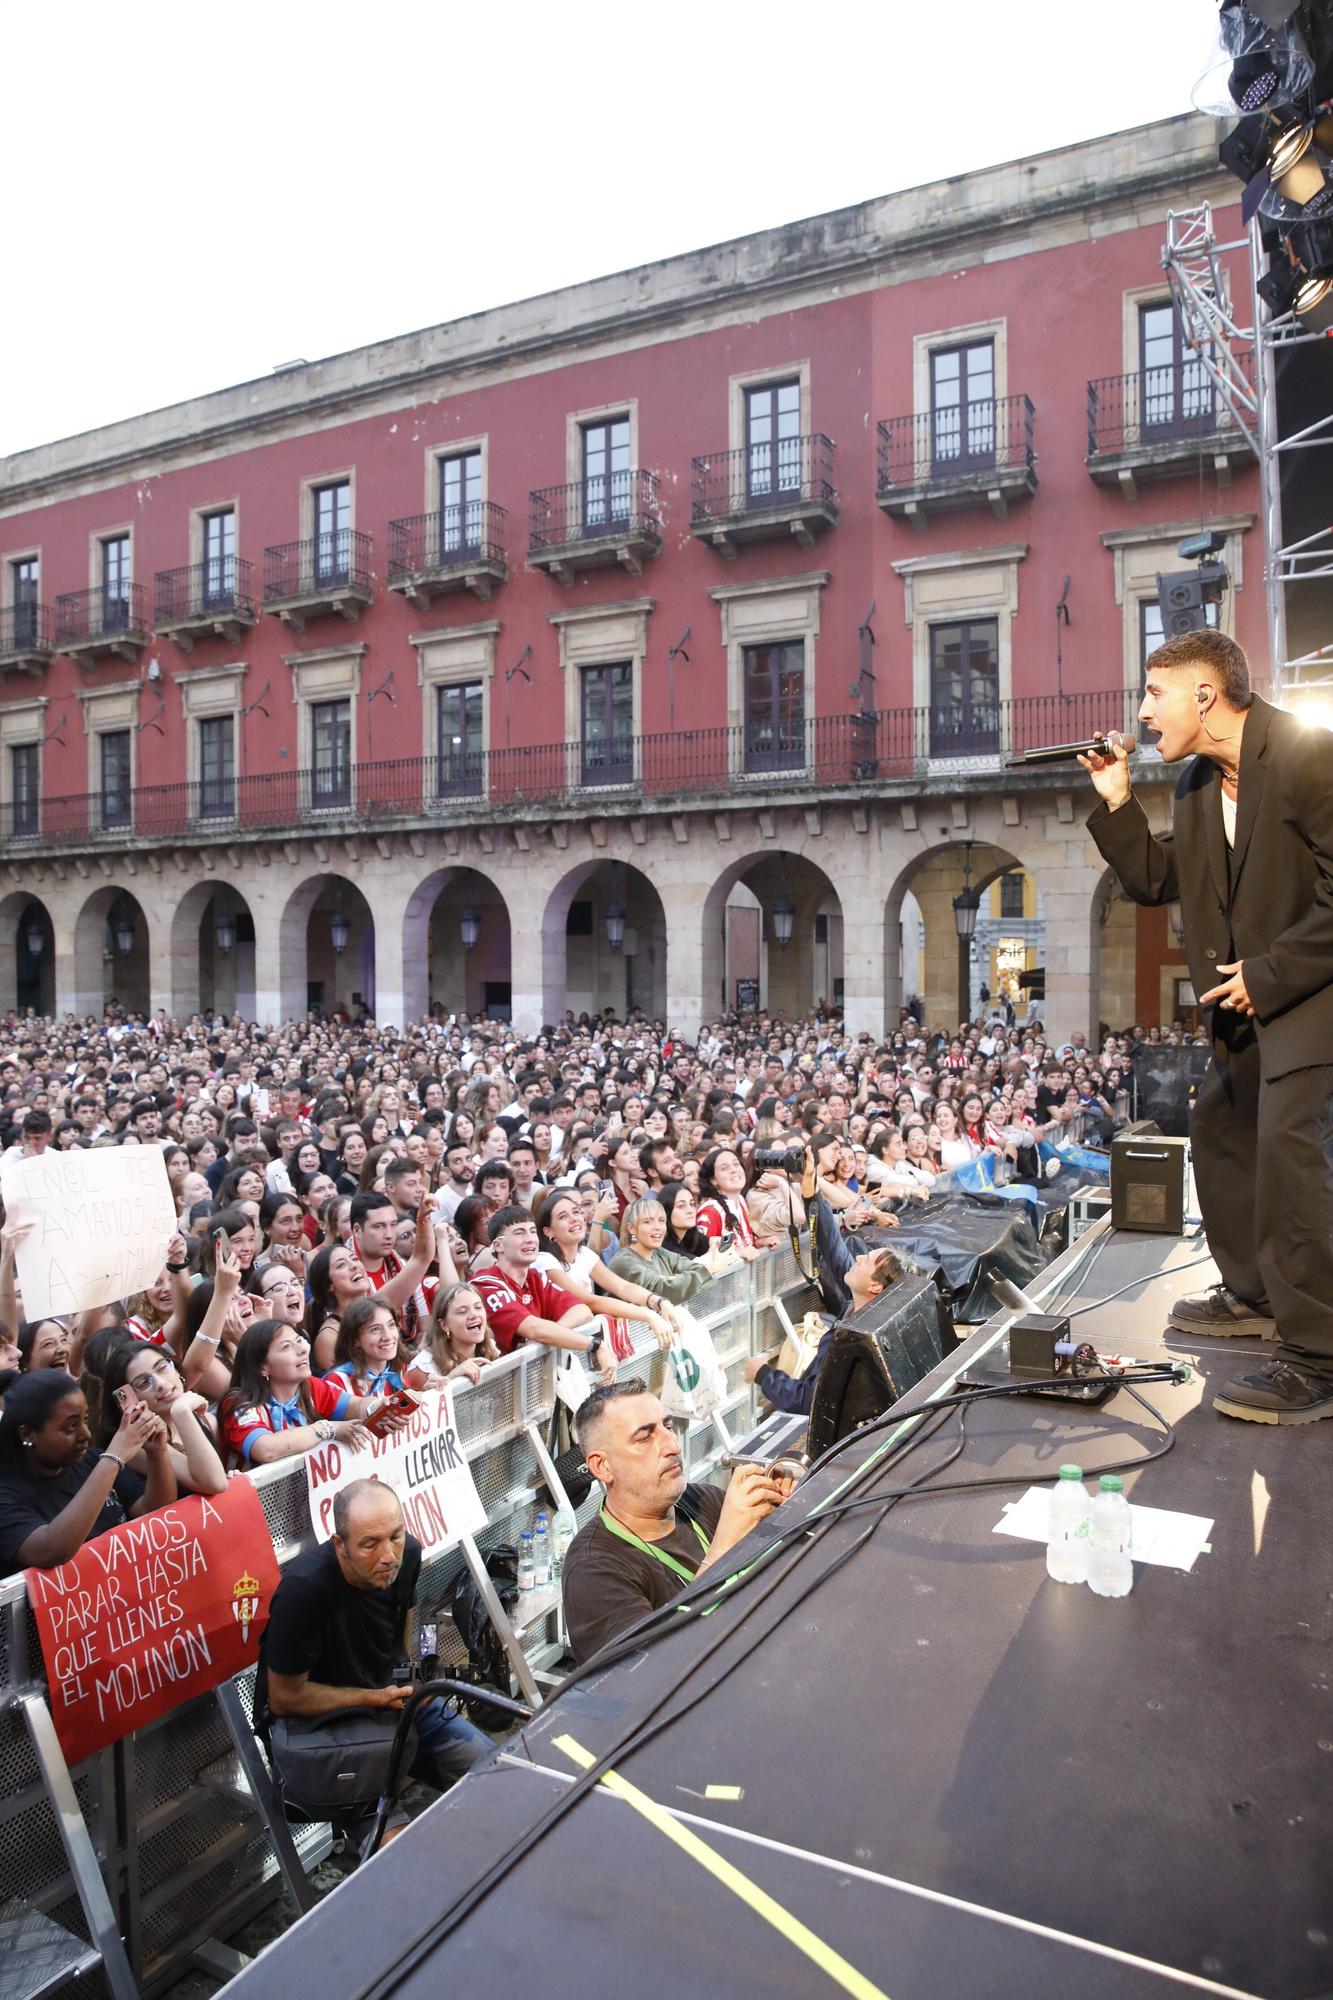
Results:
[555, 621]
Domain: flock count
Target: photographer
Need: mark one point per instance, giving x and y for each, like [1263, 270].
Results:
[339, 1637]
[866, 1277]
[655, 1532]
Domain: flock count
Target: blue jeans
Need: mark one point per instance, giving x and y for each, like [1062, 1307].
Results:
[447, 1745]
[836, 1256]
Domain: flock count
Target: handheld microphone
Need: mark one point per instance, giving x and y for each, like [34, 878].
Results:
[1065, 753]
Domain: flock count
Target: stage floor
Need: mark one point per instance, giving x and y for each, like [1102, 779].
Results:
[961, 1778]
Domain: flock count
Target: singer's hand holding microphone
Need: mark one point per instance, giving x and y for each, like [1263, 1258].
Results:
[1110, 771]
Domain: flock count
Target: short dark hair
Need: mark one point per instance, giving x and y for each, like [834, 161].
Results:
[36, 1121]
[366, 1204]
[886, 1269]
[504, 1218]
[591, 1410]
[1224, 659]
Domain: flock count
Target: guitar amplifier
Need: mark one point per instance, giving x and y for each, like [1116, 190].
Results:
[1149, 1181]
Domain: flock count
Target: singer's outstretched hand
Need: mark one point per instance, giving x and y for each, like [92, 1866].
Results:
[1110, 775]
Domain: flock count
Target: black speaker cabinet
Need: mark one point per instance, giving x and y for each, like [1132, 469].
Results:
[1149, 1174]
[1165, 1081]
[877, 1356]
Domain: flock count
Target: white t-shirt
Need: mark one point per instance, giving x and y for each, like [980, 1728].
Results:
[580, 1270]
[1229, 819]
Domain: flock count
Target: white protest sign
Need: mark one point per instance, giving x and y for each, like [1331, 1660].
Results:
[425, 1466]
[101, 1223]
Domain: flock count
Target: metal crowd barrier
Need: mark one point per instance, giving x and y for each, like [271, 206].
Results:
[162, 1837]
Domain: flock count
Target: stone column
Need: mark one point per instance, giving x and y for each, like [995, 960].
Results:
[1066, 896]
[536, 959]
[268, 964]
[693, 961]
[1067, 870]
[863, 965]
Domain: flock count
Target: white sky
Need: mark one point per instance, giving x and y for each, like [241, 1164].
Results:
[195, 194]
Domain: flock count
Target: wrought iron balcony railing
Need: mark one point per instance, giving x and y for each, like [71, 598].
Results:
[793, 472]
[450, 538]
[603, 505]
[1161, 412]
[108, 614]
[219, 588]
[819, 754]
[963, 443]
[26, 631]
[321, 567]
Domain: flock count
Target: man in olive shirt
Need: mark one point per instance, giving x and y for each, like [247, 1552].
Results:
[655, 1531]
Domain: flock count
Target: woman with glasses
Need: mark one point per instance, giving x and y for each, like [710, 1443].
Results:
[152, 1378]
[282, 1294]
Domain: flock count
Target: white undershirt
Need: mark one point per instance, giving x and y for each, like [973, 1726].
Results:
[1229, 819]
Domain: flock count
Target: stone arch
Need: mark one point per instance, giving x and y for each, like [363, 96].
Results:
[112, 952]
[208, 972]
[311, 972]
[27, 977]
[438, 972]
[581, 968]
[934, 877]
[740, 940]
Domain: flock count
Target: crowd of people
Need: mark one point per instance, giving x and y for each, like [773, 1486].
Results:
[358, 1208]
[360, 1211]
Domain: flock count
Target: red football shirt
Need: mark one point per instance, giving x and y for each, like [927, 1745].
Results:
[508, 1305]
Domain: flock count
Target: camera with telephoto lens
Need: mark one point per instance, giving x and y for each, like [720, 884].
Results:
[773, 1159]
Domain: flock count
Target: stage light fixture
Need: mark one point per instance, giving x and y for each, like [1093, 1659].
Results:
[1284, 288]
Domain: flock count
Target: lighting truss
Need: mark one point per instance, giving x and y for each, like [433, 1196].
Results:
[1221, 346]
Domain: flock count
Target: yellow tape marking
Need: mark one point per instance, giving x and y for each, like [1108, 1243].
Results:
[823, 1955]
[724, 1792]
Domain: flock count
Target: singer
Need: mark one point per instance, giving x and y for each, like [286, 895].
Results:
[1250, 860]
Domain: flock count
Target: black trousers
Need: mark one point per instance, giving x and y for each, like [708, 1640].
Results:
[1263, 1167]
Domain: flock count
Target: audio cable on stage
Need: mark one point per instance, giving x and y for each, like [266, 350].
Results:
[766, 1573]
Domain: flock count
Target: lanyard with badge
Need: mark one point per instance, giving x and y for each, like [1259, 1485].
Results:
[651, 1549]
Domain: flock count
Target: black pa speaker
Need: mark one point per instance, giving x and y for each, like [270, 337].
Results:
[1184, 595]
[1165, 1081]
[1148, 1180]
[877, 1356]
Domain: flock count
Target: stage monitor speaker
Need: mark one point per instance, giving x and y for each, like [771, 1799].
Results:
[877, 1356]
[1165, 1081]
[1149, 1174]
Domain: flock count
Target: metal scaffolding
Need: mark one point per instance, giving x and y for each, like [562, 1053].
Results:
[1220, 344]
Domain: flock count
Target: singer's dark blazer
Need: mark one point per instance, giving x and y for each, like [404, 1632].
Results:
[1269, 902]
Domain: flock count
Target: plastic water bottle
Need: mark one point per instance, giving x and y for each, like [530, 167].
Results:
[1067, 1536]
[541, 1551]
[1110, 1570]
[563, 1530]
[527, 1568]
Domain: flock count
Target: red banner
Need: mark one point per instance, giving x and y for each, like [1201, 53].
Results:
[153, 1613]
